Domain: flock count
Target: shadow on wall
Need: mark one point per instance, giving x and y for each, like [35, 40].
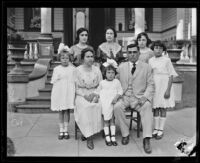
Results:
[189, 89]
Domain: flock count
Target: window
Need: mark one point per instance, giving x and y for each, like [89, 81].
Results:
[148, 19]
[130, 19]
[32, 18]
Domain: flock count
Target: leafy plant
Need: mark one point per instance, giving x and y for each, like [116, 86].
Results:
[35, 22]
[15, 37]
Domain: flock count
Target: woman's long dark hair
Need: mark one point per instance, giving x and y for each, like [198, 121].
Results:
[145, 35]
[78, 32]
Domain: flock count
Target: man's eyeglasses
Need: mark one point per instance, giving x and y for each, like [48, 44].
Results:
[132, 52]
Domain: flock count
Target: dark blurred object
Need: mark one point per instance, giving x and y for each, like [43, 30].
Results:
[10, 147]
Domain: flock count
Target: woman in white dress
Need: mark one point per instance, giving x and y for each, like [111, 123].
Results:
[109, 90]
[63, 91]
[163, 72]
[88, 111]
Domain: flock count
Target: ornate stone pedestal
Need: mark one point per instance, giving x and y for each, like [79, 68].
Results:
[17, 80]
[174, 54]
[46, 49]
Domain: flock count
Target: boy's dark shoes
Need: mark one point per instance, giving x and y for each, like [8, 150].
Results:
[125, 140]
[146, 145]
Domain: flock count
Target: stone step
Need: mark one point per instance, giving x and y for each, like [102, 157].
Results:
[27, 108]
[55, 63]
[39, 100]
[45, 91]
[48, 84]
[49, 76]
[30, 108]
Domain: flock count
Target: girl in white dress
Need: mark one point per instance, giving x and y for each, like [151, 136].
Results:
[109, 90]
[63, 90]
[163, 72]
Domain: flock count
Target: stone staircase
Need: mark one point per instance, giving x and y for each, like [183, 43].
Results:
[41, 103]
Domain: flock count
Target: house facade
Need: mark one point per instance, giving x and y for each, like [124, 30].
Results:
[166, 24]
[160, 23]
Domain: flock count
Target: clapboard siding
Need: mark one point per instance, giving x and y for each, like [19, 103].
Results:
[169, 35]
[58, 19]
[120, 18]
[19, 18]
[187, 17]
[157, 19]
[169, 18]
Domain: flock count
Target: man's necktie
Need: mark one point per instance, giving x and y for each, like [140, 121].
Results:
[133, 69]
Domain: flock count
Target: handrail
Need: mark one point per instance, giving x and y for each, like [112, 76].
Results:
[40, 68]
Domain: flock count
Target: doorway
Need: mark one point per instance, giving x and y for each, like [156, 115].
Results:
[96, 27]
[68, 26]
[99, 19]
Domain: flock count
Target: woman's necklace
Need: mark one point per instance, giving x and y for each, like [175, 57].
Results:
[82, 46]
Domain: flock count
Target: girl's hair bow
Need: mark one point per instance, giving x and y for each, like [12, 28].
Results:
[63, 47]
[111, 62]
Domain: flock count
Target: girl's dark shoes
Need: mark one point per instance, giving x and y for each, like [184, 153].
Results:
[66, 135]
[155, 132]
[114, 143]
[108, 143]
[159, 135]
[61, 135]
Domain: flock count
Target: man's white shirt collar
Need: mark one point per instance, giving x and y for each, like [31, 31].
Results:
[131, 63]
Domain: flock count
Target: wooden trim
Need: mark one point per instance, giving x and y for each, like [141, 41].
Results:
[159, 32]
[58, 30]
[11, 28]
[52, 20]
[168, 29]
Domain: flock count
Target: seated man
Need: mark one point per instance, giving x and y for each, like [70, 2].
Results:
[138, 89]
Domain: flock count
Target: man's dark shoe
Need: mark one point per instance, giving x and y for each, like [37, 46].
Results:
[83, 138]
[125, 140]
[146, 145]
[90, 144]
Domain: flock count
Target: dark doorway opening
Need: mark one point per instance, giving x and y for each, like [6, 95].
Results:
[99, 19]
[96, 27]
[68, 26]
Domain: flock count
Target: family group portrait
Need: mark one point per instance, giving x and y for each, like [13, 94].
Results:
[101, 82]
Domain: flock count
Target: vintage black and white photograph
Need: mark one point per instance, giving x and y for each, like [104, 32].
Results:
[101, 82]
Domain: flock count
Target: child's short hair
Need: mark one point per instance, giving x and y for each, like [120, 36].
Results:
[64, 52]
[109, 67]
[158, 43]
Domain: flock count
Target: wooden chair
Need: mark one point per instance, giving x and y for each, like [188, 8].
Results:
[76, 130]
[136, 119]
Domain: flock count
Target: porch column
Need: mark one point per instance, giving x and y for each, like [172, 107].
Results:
[193, 36]
[139, 20]
[45, 40]
[180, 24]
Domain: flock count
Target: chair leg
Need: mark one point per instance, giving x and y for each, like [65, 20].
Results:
[76, 130]
[138, 124]
[130, 127]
